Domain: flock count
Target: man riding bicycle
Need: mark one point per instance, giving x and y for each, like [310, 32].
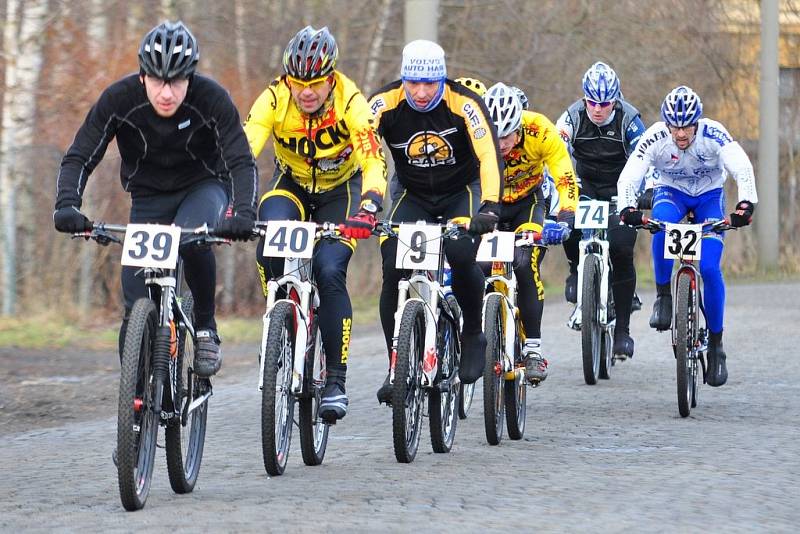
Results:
[691, 154]
[182, 147]
[602, 130]
[528, 142]
[448, 165]
[329, 168]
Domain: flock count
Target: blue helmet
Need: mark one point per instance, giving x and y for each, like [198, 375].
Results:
[600, 83]
[682, 107]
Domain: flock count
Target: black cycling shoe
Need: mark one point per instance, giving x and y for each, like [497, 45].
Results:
[334, 402]
[207, 356]
[717, 373]
[623, 345]
[571, 288]
[385, 392]
[473, 356]
[662, 309]
[636, 305]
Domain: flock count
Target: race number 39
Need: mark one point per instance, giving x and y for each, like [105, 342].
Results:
[496, 246]
[289, 239]
[151, 245]
[418, 247]
[683, 241]
[592, 214]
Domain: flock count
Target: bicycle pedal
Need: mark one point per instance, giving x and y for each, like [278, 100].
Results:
[329, 419]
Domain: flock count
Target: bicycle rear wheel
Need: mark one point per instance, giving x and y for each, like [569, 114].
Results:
[137, 422]
[685, 357]
[493, 401]
[407, 393]
[313, 430]
[465, 394]
[277, 401]
[443, 405]
[591, 330]
[516, 394]
[606, 354]
[186, 433]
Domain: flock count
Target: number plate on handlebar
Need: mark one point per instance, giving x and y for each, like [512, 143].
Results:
[683, 241]
[289, 239]
[592, 214]
[151, 245]
[418, 246]
[496, 246]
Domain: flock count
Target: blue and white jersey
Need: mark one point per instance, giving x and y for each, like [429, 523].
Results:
[698, 169]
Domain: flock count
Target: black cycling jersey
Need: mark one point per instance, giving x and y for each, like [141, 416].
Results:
[204, 139]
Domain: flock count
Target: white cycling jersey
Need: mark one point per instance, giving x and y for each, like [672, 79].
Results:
[696, 170]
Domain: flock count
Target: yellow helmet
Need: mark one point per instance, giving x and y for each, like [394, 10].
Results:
[473, 84]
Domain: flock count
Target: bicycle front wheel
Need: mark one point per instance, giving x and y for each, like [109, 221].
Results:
[313, 430]
[493, 401]
[137, 422]
[277, 401]
[407, 393]
[591, 330]
[186, 432]
[443, 403]
[685, 356]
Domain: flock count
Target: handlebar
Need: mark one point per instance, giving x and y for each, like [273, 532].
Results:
[389, 228]
[104, 234]
[654, 225]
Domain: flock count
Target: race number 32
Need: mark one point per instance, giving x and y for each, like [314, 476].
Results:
[151, 245]
[683, 241]
[289, 239]
[418, 246]
[592, 214]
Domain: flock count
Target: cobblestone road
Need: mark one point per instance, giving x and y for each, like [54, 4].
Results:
[612, 457]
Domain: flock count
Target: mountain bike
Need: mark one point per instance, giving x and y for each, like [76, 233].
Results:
[689, 331]
[292, 358]
[426, 350]
[504, 383]
[158, 385]
[594, 312]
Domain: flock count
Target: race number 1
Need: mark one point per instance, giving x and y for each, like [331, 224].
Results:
[289, 239]
[683, 241]
[496, 246]
[592, 214]
[151, 245]
[418, 246]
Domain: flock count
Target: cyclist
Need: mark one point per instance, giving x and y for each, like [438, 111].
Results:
[601, 130]
[329, 167]
[447, 164]
[691, 154]
[528, 142]
[182, 148]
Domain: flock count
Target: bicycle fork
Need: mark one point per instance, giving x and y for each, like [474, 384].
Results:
[430, 362]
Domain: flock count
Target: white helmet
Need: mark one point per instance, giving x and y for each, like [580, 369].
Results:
[505, 109]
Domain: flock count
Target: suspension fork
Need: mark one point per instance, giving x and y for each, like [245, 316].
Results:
[161, 348]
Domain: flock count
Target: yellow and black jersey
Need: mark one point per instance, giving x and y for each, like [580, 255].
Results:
[539, 145]
[440, 151]
[325, 150]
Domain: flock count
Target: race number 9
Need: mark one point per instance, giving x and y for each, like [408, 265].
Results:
[683, 241]
[289, 239]
[592, 214]
[418, 246]
[151, 245]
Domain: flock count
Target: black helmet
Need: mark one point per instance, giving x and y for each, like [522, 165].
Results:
[169, 51]
[310, 54]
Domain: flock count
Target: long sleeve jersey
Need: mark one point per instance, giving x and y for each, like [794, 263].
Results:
[440, 151]
[696, 170]
[202, 140]
[539, 145]
[324, 150]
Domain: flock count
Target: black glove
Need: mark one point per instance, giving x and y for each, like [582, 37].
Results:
[566, 216]
[743, 214]
[70, 220]
[631, 217]
[486, 219]
[646, 200]
[238, 227]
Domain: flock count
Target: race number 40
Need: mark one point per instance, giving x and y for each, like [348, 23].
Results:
[151, 245]
[683, 241]
[289, 239]
[592, 214]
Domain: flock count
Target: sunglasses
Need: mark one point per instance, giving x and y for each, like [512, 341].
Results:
[314, 84]
[593, 104]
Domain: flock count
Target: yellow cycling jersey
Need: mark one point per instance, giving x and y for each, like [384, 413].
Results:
[539, 145]
[324, 150]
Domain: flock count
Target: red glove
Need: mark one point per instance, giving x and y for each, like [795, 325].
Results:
[359, 226]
